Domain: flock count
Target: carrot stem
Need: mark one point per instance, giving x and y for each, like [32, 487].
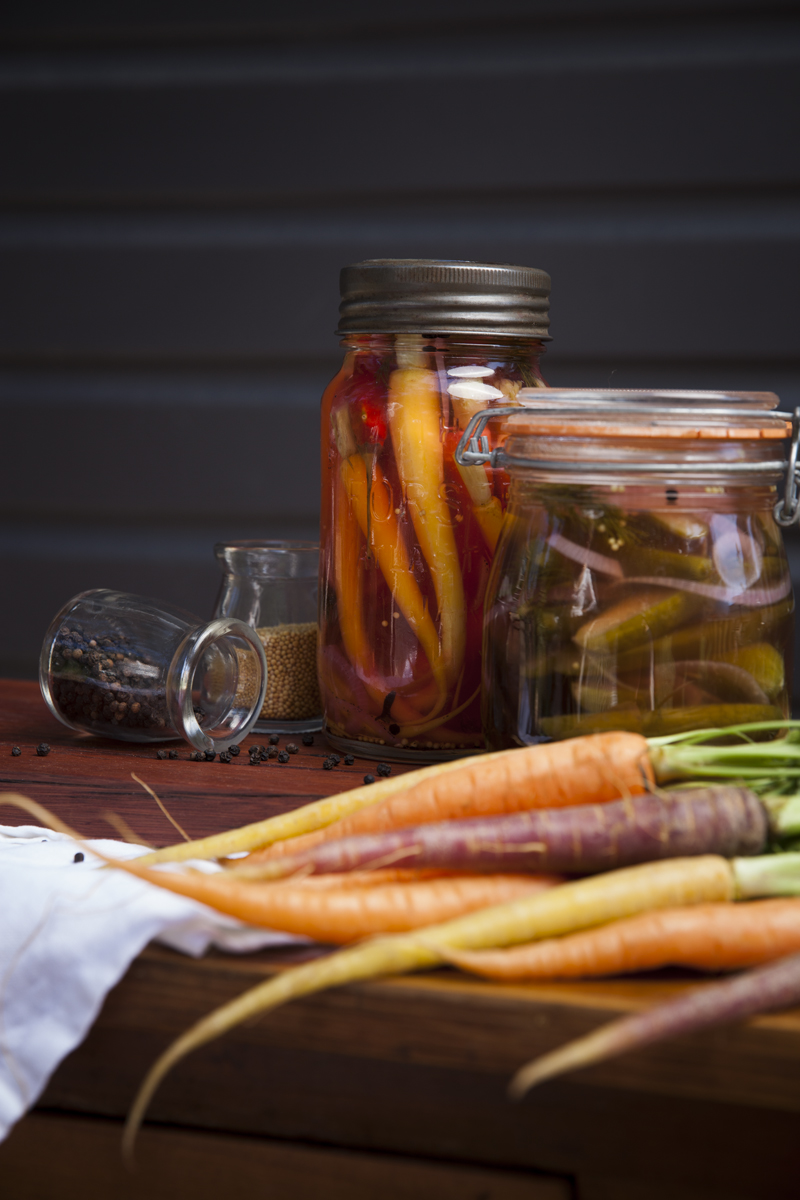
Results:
[784, 813]
[767, 875]
[684, 756]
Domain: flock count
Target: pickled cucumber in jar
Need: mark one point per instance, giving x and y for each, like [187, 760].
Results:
[649, 608]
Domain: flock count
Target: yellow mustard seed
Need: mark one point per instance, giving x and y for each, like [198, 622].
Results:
[292, 686]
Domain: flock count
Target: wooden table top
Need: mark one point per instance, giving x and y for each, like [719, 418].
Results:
[437, 1021]
[84, 778]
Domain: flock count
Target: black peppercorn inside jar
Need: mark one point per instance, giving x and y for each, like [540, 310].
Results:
[273, 586]
[126, 667]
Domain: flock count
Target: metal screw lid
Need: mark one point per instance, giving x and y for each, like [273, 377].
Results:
[440, 295]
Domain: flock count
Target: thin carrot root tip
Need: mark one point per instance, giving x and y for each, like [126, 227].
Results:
[162, 806]
[567, 1058]
[764, 989]
[43, 815]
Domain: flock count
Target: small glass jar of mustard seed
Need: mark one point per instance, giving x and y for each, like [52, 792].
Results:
[640, 580]
[274, 586]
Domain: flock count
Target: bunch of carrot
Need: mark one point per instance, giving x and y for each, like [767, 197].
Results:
[464, 862]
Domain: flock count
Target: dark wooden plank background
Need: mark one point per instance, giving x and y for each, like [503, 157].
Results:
[181, 184]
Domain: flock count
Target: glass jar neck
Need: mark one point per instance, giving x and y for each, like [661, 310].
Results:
[459, 345]
[269, 560]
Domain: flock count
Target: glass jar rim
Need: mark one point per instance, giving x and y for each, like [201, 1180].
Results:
[608, 414]
[652, 434]
[181, 672]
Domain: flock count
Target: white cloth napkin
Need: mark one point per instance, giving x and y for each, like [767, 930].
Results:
[68, 933]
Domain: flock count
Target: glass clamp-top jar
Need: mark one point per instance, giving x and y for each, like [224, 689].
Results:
[274, 587]
[123, 666]
[640, 581]
[407, 535]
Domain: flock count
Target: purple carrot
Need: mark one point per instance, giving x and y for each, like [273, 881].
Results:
[761, 990]
[714, 820]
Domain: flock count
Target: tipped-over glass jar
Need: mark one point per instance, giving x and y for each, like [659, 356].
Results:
[407, 535]
[274, 586]
[127, 667]
[640, 581]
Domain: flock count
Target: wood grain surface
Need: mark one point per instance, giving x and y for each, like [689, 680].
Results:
[84, 777]
[418, 1067]
[174, 1162]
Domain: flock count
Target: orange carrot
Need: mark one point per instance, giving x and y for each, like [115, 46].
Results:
[344, 914]
[361, 878]
[587, 770]
[708, 937]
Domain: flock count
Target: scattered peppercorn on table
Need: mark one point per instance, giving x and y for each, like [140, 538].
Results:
[393, 1088]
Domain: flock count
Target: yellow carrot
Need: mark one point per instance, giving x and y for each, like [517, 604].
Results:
[415, 423]
[550, 913]
[490, 521]
[307, 819]
[349, 589]
[486, 507]
[378, 522]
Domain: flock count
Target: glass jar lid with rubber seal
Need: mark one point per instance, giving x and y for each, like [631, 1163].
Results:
[640, 580]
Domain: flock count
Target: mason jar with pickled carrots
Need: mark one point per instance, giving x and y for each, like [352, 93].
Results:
[407, 535]
[640, 581]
